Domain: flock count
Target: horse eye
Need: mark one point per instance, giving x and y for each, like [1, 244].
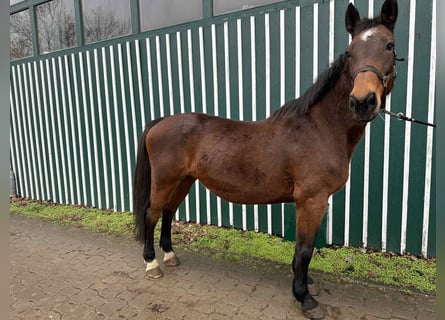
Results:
[348, 54]
[390, 46]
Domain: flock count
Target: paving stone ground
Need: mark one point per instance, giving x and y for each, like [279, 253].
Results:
[59, 272]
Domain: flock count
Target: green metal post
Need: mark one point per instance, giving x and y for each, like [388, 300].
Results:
[207, 9]
[135, 17]
[35, 37]
[79, 22]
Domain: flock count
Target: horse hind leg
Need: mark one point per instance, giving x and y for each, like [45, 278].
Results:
[152, 270]
[159, 201]
[170, 257]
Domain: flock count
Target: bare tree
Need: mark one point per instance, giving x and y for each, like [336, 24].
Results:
[101, 24]
[20, 33]
[56, 26]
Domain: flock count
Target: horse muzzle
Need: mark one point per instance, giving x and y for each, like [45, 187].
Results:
[366, 108]
[364, 101]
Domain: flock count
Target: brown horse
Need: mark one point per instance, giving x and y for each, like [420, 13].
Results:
[300, 153]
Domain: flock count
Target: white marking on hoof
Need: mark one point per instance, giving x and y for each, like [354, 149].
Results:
[169, 255]
[153, 271]
[151, 265]
[170, 259]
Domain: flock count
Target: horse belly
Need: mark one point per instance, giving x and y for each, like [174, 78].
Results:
[253, 188]
[247, 195]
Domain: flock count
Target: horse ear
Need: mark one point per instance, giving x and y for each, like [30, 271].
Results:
[352, 17]
[389, 13]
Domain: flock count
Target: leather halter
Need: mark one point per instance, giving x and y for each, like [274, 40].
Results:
[384, 78]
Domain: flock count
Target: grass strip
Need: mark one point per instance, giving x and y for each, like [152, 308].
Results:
[407, 273]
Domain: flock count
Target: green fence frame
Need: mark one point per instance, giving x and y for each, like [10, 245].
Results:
[76, 115]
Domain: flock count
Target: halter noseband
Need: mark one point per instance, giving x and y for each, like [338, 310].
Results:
[384, 78]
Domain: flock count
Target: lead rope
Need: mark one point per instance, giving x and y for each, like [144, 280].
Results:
[401, 116]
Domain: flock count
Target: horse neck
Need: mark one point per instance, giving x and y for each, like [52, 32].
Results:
[339, 119]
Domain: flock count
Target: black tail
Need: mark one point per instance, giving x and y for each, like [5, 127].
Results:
[142, 185]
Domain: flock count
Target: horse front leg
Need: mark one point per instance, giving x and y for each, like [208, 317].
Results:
[309, 217]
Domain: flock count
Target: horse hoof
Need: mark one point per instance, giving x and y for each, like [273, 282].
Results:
[311, 308]
[152, 270]
[155, 273]
[170, 259]
[172, 262]
[314, 314]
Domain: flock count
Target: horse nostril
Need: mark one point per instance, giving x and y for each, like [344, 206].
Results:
[368, 104]
[353, 102]
[371, 101]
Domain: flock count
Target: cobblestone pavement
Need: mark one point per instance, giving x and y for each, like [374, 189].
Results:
[59, 272]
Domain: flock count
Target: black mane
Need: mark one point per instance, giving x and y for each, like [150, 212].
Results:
[325, 82]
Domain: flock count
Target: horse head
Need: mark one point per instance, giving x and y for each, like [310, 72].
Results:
[371, 59]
